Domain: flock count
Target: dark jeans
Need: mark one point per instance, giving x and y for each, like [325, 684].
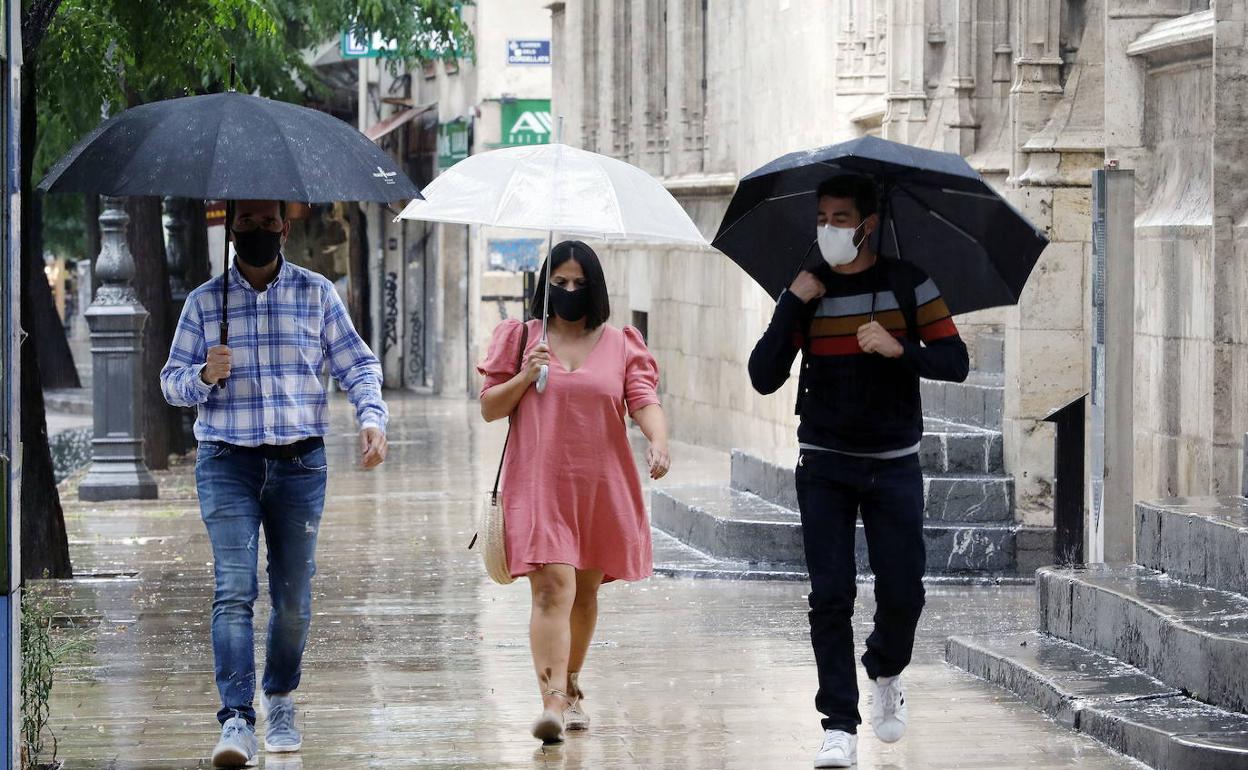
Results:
[240, 492]
[831, 490]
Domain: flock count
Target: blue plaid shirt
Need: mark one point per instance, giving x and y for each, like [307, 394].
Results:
[279, 339]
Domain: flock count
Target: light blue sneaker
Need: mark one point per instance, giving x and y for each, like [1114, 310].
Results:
[237, 747]
[280, 734]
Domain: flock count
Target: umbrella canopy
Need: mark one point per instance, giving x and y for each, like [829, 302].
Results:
[936, 212]
[230, 146]
[556, 188]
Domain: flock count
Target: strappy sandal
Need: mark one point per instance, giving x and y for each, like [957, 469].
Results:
[549, 726]
[574, 716]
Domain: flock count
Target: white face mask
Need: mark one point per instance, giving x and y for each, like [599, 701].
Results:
[836, 244]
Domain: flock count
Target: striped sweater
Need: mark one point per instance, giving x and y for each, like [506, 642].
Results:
[850, 401]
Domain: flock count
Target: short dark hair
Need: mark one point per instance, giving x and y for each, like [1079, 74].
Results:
[281, 210]
[595, 281]
[860, 189]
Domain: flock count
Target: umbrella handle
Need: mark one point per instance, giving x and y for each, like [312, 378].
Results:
[543, 376]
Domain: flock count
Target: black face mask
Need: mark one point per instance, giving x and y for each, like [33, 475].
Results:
[258, 247]
[569, 305]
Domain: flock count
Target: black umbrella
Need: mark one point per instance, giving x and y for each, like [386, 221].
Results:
[230, 146]
[935, 210]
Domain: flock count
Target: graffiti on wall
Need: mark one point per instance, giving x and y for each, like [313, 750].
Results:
[391, 327]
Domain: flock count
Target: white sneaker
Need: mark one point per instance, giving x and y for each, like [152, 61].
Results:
[840, 749]
[888, 709]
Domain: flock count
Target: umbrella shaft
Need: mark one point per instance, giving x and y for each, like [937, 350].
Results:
[550, 239]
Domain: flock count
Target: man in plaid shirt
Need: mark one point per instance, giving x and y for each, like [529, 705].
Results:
[261, 462]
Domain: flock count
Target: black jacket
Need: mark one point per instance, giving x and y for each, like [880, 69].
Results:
[849, 400]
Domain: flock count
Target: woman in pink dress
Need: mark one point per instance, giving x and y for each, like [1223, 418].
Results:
[571, 495]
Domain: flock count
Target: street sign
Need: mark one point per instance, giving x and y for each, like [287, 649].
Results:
[372, 47]
[525, 121]
[528, 52]
[452, 143]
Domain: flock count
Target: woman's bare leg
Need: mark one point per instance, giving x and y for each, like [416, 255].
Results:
[584, 616]
[550, 635]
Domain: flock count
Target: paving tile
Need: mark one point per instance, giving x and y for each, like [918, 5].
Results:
[417, 660]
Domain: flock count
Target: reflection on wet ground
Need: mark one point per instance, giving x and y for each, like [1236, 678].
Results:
[417, 660]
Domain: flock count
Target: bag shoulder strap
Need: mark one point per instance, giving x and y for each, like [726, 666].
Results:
[903, 291]
[498, 477]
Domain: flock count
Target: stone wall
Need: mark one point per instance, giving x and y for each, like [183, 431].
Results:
[1163, 61]
[1036, 94]
[705, 317]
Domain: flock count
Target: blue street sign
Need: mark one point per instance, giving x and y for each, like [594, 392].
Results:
[528, 52]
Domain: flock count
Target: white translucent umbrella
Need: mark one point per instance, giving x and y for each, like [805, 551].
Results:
[556, 188]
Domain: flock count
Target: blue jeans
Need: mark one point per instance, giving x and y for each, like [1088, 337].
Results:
[832, 490]
[240, 492]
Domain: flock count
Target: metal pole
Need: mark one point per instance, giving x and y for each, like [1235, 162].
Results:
[116, 318]
[544, 376]
[10, 377]
[1112, 504]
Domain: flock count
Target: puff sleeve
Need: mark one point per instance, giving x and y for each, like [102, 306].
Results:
[499, 365]
[641, 372]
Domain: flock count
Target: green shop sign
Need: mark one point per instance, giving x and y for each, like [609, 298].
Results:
[452, 143]
[526, 121]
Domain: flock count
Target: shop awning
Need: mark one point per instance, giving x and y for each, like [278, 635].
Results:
[380, 129]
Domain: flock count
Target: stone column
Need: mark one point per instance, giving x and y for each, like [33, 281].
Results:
[906, 111]
[963, 127]
[116, 318]
[1037, 72]
[1002, 51]
[1230, 241]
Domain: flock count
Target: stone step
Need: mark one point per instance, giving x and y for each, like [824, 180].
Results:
[979, 402]
[946, 448]
[952, 498]
[730, 524]
[676, 559]
[1199, 540]
[990, 353]
[951, 448]
[1191, 637]
[1109, 700]
[672, 558]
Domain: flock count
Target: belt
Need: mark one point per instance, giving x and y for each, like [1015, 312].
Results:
[283, 451]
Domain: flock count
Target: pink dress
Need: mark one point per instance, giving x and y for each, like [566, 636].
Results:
[571, 489]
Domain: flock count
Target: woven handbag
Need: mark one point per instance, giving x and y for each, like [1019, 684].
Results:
[493, 529]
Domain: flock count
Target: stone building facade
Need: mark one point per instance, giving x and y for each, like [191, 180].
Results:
[432, 293]
[1036, 94]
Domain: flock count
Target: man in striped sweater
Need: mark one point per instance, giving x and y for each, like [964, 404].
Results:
[868, 328]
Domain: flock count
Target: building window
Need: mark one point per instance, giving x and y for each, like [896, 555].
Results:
[641, 320]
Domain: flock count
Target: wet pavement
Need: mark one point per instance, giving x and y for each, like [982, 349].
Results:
[417, 660]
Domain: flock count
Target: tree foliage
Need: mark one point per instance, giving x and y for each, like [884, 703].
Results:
[101, 56]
